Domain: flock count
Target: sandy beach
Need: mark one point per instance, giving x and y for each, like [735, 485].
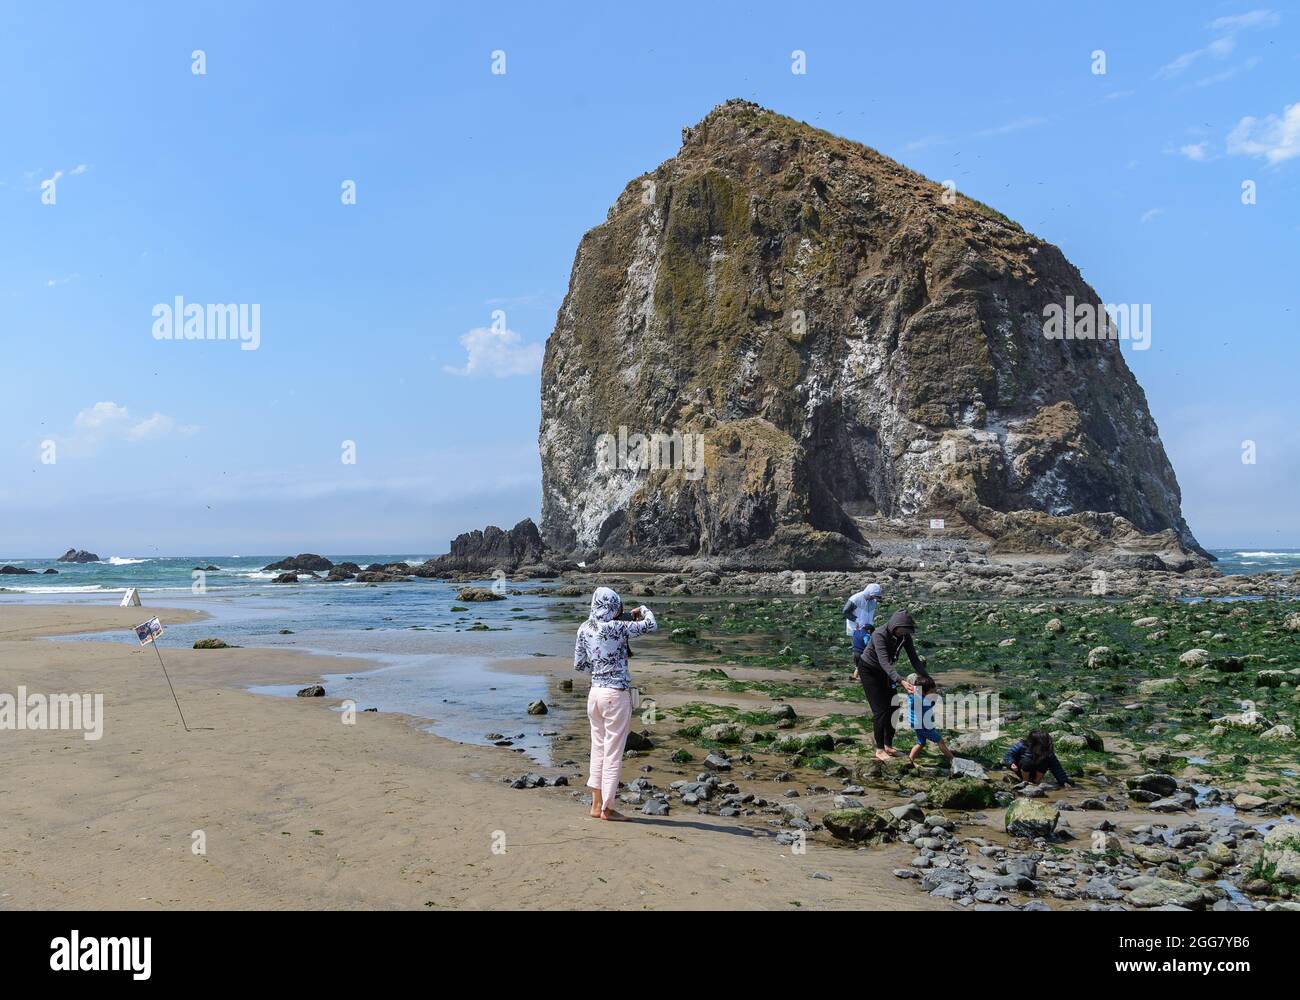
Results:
[298, 810]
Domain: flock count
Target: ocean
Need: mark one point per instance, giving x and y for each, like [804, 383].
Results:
[1256, 560]
[427, 661]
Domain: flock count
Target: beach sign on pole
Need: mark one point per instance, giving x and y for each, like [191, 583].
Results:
[131, 599]
[148, 631]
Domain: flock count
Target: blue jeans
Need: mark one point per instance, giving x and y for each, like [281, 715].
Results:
[860, 638]
[933, 735]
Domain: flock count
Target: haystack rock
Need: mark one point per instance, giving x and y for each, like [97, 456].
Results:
[820, 348]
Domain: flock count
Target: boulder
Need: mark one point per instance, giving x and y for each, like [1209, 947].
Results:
[1031, 818]
[1160, 784]
[960, 793]
[78, 556]
[492, 548]
[477, 594]
[1165, 892]
[963, 768]
[305, 562]
[211, 644]
[314, 691]
[1280, 852]
[861, 825]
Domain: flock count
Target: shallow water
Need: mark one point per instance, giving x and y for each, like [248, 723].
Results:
[427, 663]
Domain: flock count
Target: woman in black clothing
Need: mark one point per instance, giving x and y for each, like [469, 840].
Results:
[876, 669]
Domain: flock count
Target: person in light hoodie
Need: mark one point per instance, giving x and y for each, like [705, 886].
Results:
[601, 650]
[860, 618]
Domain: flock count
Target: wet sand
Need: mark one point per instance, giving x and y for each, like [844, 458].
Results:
[296, 809]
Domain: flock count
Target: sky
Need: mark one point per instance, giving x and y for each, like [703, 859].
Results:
[1121, 132]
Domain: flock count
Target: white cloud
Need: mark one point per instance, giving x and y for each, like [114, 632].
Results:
[1223, 46]
[1274, 138]
[1150, 214]
[107, 422]
[1253, 19]
[501, 353]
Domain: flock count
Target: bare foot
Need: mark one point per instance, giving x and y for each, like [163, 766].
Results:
[893, 752]
[612, 814]
[882, 755]
[596, 805]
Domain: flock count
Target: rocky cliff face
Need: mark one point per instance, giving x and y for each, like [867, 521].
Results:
[815, 340]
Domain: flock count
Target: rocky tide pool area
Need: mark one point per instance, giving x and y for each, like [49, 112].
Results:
[1174, 720]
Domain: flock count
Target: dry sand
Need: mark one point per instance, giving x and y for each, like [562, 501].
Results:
[302, 811]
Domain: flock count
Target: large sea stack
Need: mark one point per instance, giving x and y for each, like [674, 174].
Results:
[858, 350]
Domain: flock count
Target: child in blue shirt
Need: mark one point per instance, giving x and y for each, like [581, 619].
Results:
[920, 715]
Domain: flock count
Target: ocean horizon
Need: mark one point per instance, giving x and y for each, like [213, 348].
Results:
[174, 574]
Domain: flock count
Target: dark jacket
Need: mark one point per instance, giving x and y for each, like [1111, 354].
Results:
[882, 652]
[1018, 754]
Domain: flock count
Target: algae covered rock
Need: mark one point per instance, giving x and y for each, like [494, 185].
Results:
[722, 732]
[1280, 853]
[473, 594]
[211, 644]
[861, 825]
[1031, 818]
[960, 793]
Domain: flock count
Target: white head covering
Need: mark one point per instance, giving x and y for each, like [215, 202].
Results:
[605, 604]
[873, 591]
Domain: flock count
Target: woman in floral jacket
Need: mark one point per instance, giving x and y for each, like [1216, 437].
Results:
[601, 648]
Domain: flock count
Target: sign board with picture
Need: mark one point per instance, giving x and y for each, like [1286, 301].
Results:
[148, 631]
[936, 522]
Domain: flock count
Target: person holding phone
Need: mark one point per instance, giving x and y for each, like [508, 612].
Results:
[601, 650]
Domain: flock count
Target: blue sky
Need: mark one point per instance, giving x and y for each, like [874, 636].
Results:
[473, 189]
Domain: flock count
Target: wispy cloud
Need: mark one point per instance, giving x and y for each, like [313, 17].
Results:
[108, 423]
[1017, 125]
[1236, 22]
[1220, 48]
[497, 352]
[1150, 214]
[1228, 74]
[1274, 138]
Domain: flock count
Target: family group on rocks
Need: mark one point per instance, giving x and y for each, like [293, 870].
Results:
[1086, 834]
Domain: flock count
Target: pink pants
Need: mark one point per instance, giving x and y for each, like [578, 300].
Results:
[610, 712]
